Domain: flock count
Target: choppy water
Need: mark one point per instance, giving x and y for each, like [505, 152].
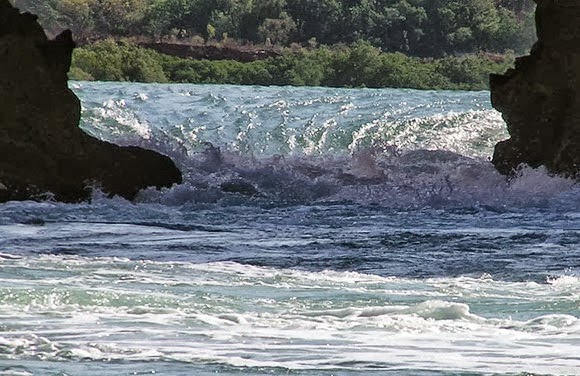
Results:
[372, 236]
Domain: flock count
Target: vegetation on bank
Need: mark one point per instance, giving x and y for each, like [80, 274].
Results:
[426, 44]
[425, 28]
[357, 65]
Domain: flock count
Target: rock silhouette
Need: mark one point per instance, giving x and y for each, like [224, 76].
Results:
[42, 149]
[539, 98]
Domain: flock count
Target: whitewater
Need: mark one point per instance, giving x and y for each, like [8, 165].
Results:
[318, 231]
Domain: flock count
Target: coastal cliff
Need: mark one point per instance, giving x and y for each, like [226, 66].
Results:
[539, 98]
[43, 152]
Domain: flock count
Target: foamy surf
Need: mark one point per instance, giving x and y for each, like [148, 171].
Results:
[256, 317]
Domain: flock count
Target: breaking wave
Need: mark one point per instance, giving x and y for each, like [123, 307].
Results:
[255, 317]
[279, 145]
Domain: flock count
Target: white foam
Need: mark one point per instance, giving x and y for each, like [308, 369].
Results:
[442, 310]
[115, 120]
[234, 314]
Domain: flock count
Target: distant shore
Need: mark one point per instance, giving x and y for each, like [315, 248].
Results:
[357, 65]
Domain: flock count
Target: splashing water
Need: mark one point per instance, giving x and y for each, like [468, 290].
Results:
[395, 148]
[318, 232]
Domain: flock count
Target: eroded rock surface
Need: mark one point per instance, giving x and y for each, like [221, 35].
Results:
[540, 100]
[42, 149]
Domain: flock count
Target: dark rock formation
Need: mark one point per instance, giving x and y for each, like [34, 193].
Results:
[239, 186]
[42, 149]
[540, 98]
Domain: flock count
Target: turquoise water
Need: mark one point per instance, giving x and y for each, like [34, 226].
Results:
[376, 239]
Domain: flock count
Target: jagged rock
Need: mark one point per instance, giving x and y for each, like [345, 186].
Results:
[239, 186]
[540, 100]
[42, 149]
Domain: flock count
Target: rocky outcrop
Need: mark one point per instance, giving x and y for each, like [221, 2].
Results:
[540, 98]
[42, 149]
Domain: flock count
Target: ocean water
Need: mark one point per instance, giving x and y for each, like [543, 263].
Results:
[317, 232]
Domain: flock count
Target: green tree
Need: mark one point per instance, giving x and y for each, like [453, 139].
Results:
[189, 17]
[459, 26]
[277, 30]
[111, 61]
[423, 28]
[405, 24]
[320, 19]
[119, 17]
[356, 66]
[77, 14]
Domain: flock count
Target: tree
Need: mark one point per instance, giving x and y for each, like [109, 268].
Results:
[458, 26]
[119, 17]
[320, 19]
[77, 15]
[277, 30]
[426, 28]
[519, 7]
[406, 22]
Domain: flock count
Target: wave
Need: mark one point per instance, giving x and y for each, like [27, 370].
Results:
[229, 314]
[394, 148]
[263, 121]
[381, 176]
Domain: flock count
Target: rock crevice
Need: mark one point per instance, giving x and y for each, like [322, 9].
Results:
[42, 148]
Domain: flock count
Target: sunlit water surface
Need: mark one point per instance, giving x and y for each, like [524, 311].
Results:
[373, 236]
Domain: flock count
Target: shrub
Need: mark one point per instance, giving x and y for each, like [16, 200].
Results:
[358, 65]
[108, 60]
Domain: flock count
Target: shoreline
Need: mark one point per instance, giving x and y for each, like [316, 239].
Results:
[357, 65]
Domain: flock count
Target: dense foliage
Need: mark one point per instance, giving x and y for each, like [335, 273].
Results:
[415, 27]
[360, 65]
